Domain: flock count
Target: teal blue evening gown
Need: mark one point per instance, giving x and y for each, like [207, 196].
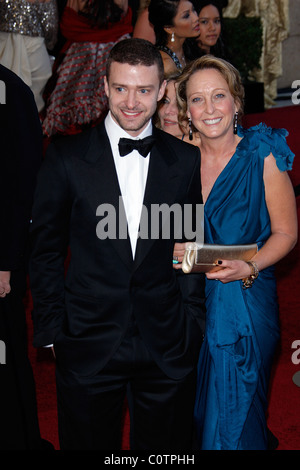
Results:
[242, 325]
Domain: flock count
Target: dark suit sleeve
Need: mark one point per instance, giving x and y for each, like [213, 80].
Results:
[21, 157]
[193, 285]
[49, 244]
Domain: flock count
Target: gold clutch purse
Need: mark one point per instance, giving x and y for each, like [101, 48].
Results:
[204, 258]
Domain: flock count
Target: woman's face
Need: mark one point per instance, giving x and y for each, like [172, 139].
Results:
[168, 111]
[186, 21]
[210, 27]
[210, 104]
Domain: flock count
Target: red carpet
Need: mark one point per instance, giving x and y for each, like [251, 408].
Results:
[284, 400]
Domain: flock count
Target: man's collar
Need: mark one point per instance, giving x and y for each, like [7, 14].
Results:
[115, 132]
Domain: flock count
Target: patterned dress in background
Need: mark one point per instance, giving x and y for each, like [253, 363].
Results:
[78, 99]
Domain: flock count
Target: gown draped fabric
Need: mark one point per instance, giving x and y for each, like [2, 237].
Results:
[242, 325]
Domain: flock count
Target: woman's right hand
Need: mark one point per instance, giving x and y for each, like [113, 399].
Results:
[232, 270]
[178, 253]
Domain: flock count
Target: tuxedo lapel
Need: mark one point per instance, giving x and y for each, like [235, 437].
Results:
[161, 188]
[102, 187]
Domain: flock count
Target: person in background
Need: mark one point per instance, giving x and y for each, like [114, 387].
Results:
[210, 15]
[166, 116]
[248, 198]
[77, 99]
[174, 21]
[21, 157]
[143, 28]
[117, 319]
[27, 29]
[210, 40]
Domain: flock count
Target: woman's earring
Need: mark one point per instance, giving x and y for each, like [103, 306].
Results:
[235, 122]
[190, 130]
[173, 37]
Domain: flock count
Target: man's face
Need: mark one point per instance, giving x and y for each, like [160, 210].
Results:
[133, 92]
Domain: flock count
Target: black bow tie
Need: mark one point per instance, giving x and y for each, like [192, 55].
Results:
[143, 146]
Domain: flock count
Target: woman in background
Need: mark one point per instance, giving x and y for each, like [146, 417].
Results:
[91, 28]
[248, 198]
[211, 38]
[27, 29]
[174, 21]
[166, 117]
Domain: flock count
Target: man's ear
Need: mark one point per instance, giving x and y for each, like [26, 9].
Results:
[162, 90]
[106, 88]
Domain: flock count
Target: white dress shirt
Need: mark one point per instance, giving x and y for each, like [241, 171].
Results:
[132, 171]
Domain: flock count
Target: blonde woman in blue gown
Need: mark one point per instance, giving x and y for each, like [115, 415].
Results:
[248, 199]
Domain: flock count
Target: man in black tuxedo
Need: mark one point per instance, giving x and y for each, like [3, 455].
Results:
[123, 320]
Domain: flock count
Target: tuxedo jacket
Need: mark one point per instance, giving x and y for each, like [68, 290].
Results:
[86, 312]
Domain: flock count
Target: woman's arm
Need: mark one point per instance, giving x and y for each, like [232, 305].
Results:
[281, 204]
[79, 5]
[123, 4]
[143, 29]
[282, 209]
[76, 5]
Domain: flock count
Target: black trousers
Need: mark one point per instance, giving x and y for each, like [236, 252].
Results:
[90, 410]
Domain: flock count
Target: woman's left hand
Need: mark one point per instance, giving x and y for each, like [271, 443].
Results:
[231, 271]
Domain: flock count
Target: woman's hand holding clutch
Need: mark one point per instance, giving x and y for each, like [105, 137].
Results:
[223, 270]
[232, 270]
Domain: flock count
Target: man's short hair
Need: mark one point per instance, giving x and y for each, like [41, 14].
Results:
[136, 51]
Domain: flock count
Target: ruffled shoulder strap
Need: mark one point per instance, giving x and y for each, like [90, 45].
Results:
[263, 140]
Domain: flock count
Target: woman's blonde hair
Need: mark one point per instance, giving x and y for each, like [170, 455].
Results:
[170, 77]
[228, 72]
